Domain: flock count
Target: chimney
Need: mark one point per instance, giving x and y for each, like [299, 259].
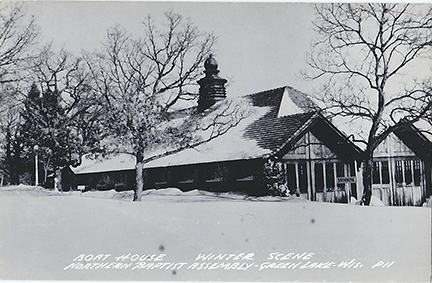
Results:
[212, 87]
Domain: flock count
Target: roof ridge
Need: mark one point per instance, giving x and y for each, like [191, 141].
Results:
[267, 90]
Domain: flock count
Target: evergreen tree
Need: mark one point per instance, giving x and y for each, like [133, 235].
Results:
[274, 177]
[64, 122]
[45, 131]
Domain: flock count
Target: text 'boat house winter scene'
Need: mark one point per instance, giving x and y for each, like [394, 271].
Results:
[285, 144]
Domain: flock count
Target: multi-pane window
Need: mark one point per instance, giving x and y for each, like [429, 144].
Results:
[327, 175]
[398, 172]
[408, 172]
[380, 172]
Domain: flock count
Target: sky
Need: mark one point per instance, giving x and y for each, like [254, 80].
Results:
[260, 45]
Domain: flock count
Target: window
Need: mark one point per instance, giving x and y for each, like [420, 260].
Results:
[375, 173]
[302, 177]
[340, 173]
[161, 177]
[330, 181]
[244, 173]
[186, 175]
[398, 172]
[319, 177]
[297, 177]
[408, 172]
[380, 172]
[291, 174]
[385, 174]
[417, 172]
[340, 169]
[214, 173]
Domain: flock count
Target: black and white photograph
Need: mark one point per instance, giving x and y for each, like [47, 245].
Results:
[215, 141]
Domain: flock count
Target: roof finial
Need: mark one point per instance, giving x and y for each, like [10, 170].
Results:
[212, 87]
[211, 65]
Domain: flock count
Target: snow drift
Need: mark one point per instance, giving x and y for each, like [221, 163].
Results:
[203, 236]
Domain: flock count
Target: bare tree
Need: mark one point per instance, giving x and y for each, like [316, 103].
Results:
[144, 80]
[17, 36]
[64, 122]
[363, 52]
[9, 127]
[16, 40]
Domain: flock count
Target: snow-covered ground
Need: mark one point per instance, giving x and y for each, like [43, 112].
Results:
[46, 235]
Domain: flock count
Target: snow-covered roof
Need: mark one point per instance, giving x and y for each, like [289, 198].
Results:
[272, 122]
[275, 116]
[118, 162]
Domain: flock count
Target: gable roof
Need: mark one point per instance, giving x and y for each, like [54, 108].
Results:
[279, 124]
[279, 117]
[416, 141]
[265, 131]
[120, 162]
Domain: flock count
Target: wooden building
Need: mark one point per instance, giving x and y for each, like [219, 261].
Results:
[401, 173]
[116, 172]
[286, 145]
[316, 160]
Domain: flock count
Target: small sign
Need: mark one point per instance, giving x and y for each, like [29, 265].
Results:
[346, 179]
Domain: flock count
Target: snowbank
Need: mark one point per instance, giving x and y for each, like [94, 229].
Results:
[175, 194]
[43, 237]
[29, 190]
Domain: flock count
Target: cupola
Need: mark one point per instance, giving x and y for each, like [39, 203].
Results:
[212, 87]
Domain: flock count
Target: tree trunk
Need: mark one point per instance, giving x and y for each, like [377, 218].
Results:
[45, 174]
[58, 180]
[12, 149]
[139, 181]
[367, 179]
[16, 162]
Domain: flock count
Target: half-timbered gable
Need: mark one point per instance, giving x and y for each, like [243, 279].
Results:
[401, 173]
[316, 172]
